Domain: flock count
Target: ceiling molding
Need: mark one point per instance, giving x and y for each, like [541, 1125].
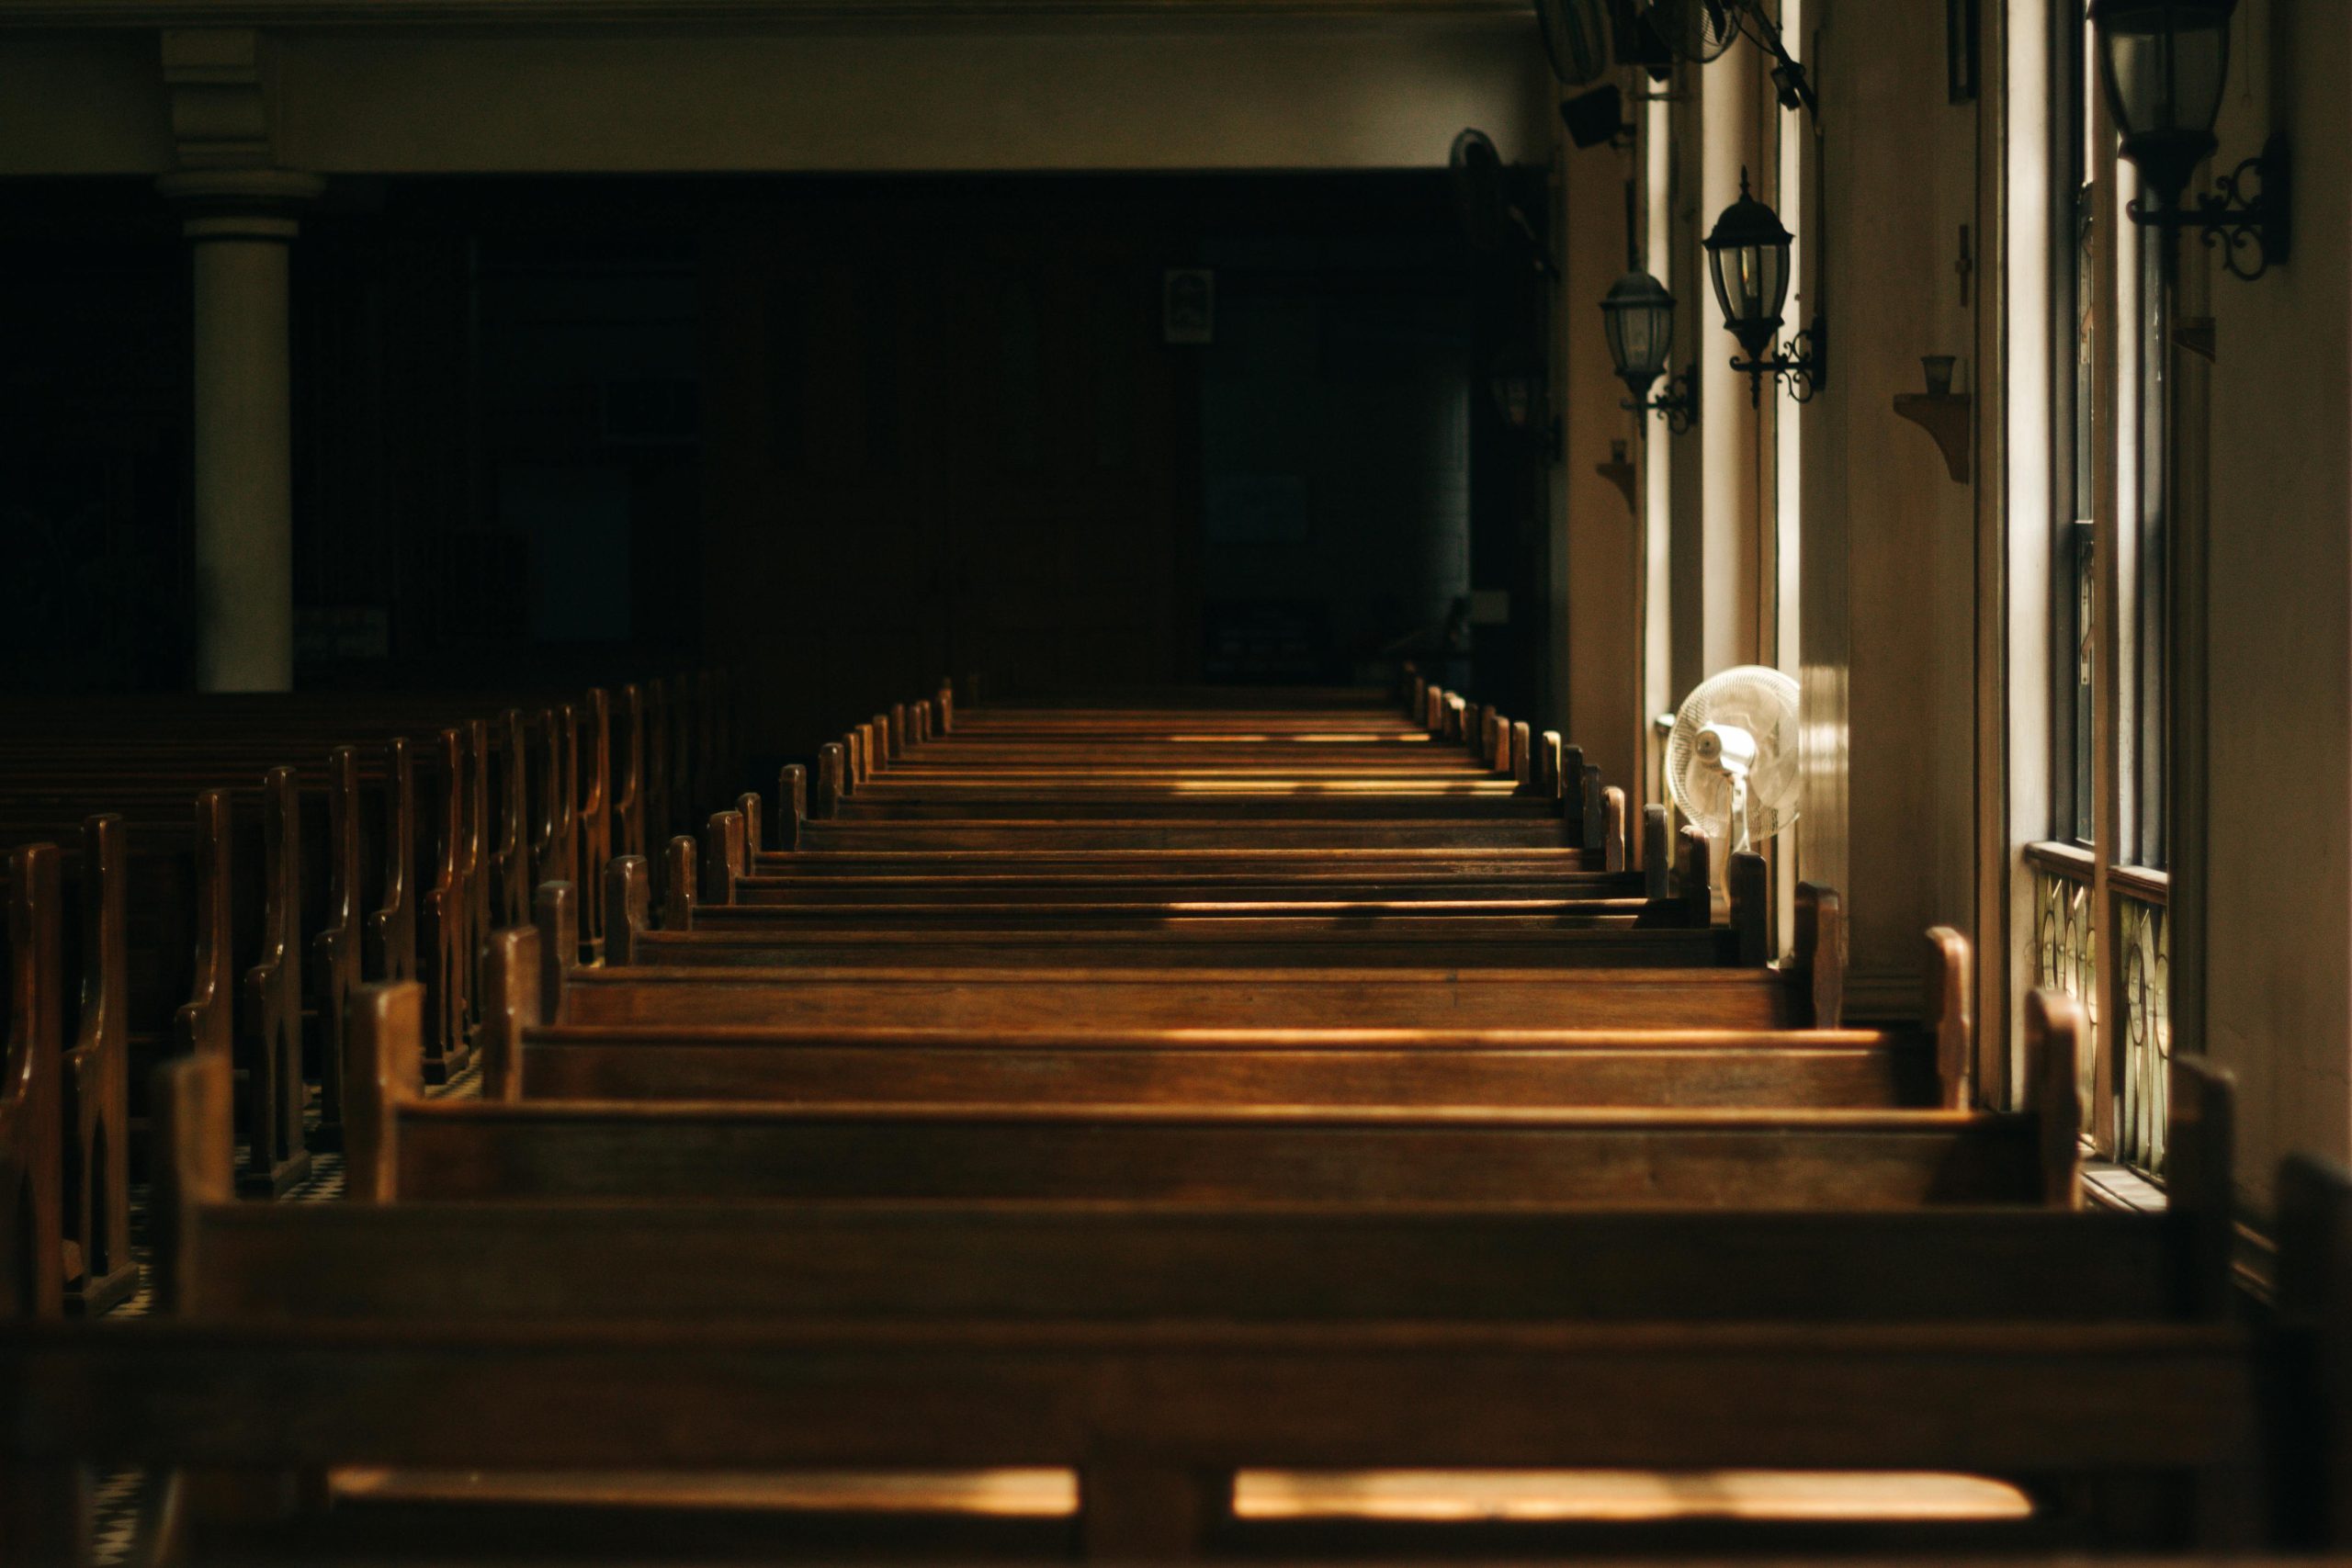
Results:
[83, 15]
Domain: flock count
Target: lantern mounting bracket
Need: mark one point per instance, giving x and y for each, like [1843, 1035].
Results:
[2249, 215]
[1804, 365]
[1678, 405]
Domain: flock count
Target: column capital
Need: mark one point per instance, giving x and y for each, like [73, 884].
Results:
[243, 204]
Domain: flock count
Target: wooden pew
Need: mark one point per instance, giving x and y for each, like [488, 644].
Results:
[237, 872]
[1083, 1060]
[1156, 1352]
[1253, 1152]
[387, 879]
[712, 979]
[1627, 932]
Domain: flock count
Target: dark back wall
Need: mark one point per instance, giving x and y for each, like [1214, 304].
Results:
[850, 435]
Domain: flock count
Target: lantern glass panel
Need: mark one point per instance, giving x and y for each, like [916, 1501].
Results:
[2166, 66]
[1752, 287]
[1638, 316]
[1514, 399]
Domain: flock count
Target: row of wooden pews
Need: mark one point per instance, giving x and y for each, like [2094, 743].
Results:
[1199, 1102]
[235, 867]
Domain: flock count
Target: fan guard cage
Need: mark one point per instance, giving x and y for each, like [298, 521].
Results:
[1576, 39]
[1762, 702]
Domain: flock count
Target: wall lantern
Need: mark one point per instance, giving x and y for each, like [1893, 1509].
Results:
[1638, 316]
[2165, 63]
[1516, 386]
[1747, 256]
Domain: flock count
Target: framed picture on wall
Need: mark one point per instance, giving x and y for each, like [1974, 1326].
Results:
[1188, 306]
[1963, 26]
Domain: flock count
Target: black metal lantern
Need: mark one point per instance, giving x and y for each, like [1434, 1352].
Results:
[2164, 62]
[1516, 386]
[1748, 256]
[1639, 318]
[2164, 65]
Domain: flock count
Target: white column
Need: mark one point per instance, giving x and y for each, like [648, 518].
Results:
[240, 224]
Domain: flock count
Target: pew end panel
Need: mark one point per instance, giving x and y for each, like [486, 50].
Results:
[592, 821]
[270, 1027]
[387, 1028]
[2314, 1232]
[1749, 884]
[628, 901]
[32, 1260]
[555, 917]
[1612, 842]
[723, 858]
[1658, 851]
[628, 773]
[391, 928]
[1568, 792]
[831, 781]
[96, 1082]
[678, 892]
[521, 991]
[2201, 1164]
[792, 805]
[1950, 993]
[1817, 959]
[754, 811]
[204, 1026]
[193, 1100]
[336, 948]
[2055, 1029]
[1694, 877]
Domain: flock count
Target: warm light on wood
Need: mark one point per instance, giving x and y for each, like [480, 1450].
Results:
[1622, 1496]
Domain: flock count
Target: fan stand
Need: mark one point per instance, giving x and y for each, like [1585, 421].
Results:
[1738, 809]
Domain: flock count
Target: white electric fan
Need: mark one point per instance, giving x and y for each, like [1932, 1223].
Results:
[1731, 763]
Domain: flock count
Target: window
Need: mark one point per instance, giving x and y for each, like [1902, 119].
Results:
[2099, 882]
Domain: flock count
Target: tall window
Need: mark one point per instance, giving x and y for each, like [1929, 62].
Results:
[2100, 887]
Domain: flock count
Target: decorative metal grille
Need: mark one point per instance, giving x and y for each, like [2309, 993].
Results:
[2143, 931]
[2065, 946]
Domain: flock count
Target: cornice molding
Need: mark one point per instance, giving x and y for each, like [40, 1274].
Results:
[84, 15]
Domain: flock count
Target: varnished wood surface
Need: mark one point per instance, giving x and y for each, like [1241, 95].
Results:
[1240, 1153]
[1563, 998]
[508, 1260]
[1310, 831]
[2054, 1397]
[1210, 942]
[1238, 1069]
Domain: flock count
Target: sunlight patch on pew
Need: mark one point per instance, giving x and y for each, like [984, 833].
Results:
[1042, 1492]
[1631, 1496]
[1328, 737]
[1431, 1496]
[1341, 786]
[1401, 907]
